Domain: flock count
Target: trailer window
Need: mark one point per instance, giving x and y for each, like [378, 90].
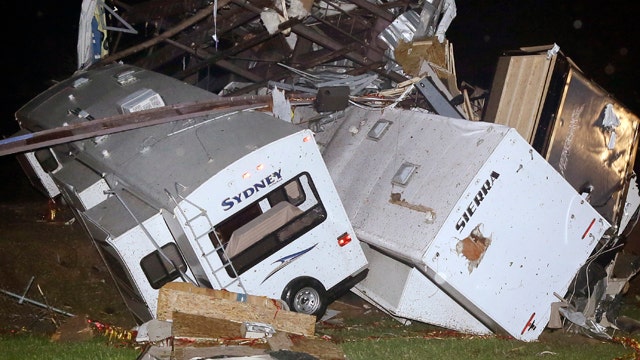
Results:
[124, 282]
[269, 224]
[47, 160]
[163, 268]
[121, 276]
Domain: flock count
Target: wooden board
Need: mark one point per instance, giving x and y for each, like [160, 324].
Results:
[202, 327]
[221, 304]
[518, 91]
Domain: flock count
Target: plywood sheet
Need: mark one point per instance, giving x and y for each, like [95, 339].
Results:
[221, 304]
[517, 92]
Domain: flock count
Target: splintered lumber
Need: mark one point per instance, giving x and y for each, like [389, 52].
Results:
[202, 327]
[221, 304]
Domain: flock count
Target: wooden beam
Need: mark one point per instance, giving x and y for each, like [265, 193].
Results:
[227, 65]
[314, 36]
[118, 123]
[165, 35]
[375, 9]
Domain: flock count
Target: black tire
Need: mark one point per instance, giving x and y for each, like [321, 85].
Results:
[306, 296]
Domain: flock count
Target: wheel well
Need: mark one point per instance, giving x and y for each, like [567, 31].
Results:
[290, 295]
[297, 282]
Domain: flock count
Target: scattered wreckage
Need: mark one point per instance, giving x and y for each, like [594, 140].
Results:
[506, 225]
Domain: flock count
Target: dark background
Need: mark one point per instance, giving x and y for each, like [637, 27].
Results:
[600, 37]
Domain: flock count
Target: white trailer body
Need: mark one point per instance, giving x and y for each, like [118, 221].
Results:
[476, 211]
[405, 293]
[239, 200]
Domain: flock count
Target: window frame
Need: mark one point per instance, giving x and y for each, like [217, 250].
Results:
[158, 270]
[272, 242]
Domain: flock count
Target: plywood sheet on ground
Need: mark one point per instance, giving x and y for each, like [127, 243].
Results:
[189, 299]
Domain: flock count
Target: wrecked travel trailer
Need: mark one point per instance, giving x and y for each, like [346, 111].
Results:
[239, 201]
[464, 224]
[439, 177]
[460, 217]
[591, 139]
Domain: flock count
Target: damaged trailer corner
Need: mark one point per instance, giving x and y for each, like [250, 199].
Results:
[591, 139]
[587, 135]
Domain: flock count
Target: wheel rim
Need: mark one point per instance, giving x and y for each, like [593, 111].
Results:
[306, 301]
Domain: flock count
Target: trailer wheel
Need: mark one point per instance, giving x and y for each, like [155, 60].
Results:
[306, 296]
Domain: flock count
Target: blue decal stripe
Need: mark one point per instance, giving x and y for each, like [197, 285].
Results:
[295, 255]
[286, 260]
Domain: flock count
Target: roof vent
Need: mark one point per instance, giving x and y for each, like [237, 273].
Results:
[126, 77]
[403, 175]
[380, 127]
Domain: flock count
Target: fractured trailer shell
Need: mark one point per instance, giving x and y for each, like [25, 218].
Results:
[473, 175]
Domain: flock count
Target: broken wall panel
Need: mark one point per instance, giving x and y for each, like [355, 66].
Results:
[517, 92]
[565, 116]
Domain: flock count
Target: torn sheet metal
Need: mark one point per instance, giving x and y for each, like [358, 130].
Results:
[429, 17]
[433, 21]
[484, 181]
[281, 106]
[595, 299]
[610, 122]
[435, 18]
[449, 13]
[310, 82]
[403, 28]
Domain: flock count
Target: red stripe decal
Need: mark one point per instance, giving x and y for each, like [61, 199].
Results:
[528, 323]
[589, 228]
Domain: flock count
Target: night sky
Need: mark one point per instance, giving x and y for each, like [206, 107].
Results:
[600, 37]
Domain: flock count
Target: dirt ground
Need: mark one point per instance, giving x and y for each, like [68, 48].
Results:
[46, 257]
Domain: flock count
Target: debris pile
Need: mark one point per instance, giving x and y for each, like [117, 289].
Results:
[193, 321]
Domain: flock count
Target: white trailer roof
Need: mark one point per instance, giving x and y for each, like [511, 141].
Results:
[151, 159]
[363, 168]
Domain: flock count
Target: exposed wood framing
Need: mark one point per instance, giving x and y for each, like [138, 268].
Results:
[182, 44]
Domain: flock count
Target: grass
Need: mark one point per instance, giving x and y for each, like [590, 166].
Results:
[381, 337]
[371, 338]
[27, 347]
[38, 347]
[478, 348]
